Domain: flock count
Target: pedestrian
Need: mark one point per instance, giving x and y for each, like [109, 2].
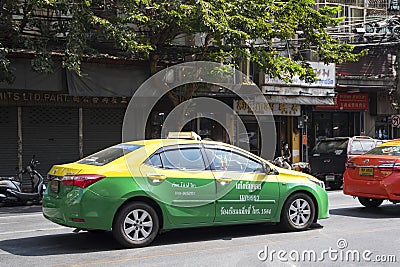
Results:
[286, 155]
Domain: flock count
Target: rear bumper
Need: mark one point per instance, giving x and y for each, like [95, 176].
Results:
[388, 188]
[97, 212]
[329, 177]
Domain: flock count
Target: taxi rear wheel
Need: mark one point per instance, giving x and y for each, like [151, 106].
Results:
[370, 202]
[298, 212]
[136, 225]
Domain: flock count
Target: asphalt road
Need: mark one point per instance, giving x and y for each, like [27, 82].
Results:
[27, 239]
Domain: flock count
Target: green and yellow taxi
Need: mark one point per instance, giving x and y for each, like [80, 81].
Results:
[136, 189]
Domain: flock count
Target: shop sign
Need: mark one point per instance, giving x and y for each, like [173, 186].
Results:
[344, 101]
[325, 77]
[242, 107]
[52, 98]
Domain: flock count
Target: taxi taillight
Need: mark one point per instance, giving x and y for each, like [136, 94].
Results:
[395, 167]
[350, 164]
[81, 180]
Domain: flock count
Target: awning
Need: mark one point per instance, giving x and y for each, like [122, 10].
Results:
[300, 100]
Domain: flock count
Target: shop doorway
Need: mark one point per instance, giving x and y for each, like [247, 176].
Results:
[336, 124]
[251, 138]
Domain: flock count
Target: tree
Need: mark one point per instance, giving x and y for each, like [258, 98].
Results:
[275, 35]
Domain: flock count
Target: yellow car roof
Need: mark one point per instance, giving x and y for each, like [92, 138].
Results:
[162, 141]
[166, 142]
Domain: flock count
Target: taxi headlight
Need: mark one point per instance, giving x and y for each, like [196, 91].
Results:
[317, 182]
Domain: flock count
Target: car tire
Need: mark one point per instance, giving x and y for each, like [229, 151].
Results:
[298, 212]
[370, 202]
[135, 225]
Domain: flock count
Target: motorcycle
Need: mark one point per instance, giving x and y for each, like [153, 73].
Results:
[11, 187]
[299, 166]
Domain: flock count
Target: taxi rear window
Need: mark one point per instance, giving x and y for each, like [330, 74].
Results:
[361, 146]
[385, 150]
[110, 154]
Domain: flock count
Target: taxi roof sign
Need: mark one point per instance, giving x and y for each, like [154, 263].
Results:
[184, 135]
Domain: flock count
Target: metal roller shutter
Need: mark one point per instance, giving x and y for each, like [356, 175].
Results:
[102, 127]
[8, 141]
[51, 134]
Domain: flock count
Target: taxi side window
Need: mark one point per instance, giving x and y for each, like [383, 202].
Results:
[183, 159]
[155, 161]
[225, 160]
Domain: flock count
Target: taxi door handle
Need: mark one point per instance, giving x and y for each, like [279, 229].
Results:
[156, 177]
[224, 180]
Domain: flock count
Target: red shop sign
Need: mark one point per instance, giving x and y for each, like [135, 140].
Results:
[344, 101]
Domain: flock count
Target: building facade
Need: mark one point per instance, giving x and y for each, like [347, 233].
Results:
[61, 117]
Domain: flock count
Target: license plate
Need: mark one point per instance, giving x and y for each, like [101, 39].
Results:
[366, 171]
[55, 186]
[330, 177]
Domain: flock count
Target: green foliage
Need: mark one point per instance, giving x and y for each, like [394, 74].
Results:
[277, 36]
[6, 74]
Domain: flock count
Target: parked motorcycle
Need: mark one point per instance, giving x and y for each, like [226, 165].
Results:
[281, 162]
[11, 187]
[299, 166]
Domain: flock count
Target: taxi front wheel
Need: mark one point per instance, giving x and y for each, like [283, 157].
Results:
[136, 225]
[298, 212]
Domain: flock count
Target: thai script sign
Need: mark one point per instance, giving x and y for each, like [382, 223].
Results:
[344, 101]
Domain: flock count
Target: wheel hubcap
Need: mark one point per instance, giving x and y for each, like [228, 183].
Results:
[300, 212]
[138, 225]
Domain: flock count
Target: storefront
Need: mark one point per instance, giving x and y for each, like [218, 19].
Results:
[284, 116]
[61, 117]
[376, 75]
[344, 118]
[297, 130]
[56, 128]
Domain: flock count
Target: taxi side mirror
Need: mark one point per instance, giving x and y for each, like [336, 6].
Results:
[268, 170]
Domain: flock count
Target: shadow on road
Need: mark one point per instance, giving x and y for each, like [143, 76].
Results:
[20, 209]
[382, 212]
[84, 242]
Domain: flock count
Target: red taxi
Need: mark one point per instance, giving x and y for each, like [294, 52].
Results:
[374, 176]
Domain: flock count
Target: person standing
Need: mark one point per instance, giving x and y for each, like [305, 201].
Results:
[285, 153]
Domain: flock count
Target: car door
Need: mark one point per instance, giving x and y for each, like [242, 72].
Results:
[245, 192]
[177, 176]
